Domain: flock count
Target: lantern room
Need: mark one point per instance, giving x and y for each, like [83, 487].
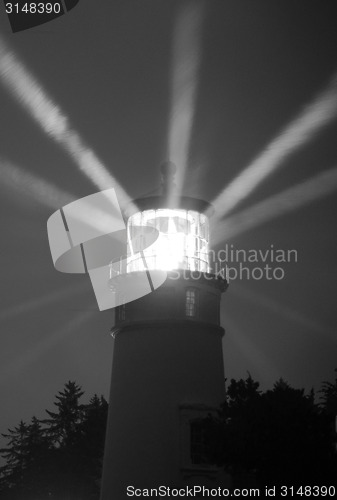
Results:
[182, 227]
[182, 242]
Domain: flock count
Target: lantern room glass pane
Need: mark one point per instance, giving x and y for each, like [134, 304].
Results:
[182, 241]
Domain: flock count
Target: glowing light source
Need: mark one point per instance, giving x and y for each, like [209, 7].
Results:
[53, 121]
[295, 197]
[182, 242]
[314, 117]
[185, 66]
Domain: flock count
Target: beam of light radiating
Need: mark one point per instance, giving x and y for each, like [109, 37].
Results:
[301, 130]
[284, 311]
[279, 204]
[39, 190]
[185, 65]
[53, 121]
[32, 186]
[39, 302]
[48, 341]
[256, 357]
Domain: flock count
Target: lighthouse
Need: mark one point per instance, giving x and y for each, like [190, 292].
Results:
[167, 370]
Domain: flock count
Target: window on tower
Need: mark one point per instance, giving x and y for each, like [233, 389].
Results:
[196, 440]
[191, 303]
[200, 451]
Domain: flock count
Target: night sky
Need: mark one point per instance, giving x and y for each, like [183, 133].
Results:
[108, 66]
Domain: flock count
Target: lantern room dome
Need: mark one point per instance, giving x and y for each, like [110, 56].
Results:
[184, 203]
[168, 197]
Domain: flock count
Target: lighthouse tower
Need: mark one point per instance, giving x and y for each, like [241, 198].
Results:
[167, 371]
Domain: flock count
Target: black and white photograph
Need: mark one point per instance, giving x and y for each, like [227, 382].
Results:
[168, 249]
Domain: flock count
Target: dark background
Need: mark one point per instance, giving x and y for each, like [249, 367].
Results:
[108, 66]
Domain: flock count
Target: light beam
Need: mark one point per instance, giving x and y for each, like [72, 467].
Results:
[185, 66]
[23, 360]
[284, 311]
[300, 131]
[279, 204]
[53, 121]
[39, 190]
[33, 186]
[38, 302]
[255, 357]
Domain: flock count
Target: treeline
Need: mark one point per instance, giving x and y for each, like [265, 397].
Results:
[277, 437]
[280, 436]
[59, 457]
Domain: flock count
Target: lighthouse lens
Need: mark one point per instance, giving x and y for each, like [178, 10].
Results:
[182, 241]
